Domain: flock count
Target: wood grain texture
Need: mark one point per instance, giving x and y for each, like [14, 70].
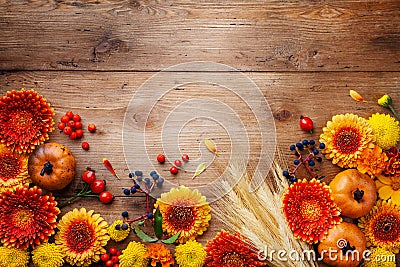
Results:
[92, 57]
[248, 35]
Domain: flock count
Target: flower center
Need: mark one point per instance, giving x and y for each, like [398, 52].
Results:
[23, 218]
[386, 228]
[310, 210]
[181, 217]
[347, 140]
[10, 166]
[79, 237]
[21, 120]
[233, 259]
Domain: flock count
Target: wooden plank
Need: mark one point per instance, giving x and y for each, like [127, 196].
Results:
[153, 35]
[103, 98]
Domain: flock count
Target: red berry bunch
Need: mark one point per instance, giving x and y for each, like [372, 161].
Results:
[97, 186]
[111, 259]
[70, 124]
[177, 163]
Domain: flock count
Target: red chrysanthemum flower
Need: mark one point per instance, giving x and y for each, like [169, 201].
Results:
[13, 169]
[310, 211]
[27, 218]
[393, 164]
[26, 120]
[231, 251]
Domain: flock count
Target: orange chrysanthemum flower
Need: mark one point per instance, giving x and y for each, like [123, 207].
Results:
[381, 226]
[13, 169]
[26, 120]
[82, 236]
[184, 211]
[231, 251]
[372, 161]
[27, 218]
[309, 210]
[345, 137]
[159, 253]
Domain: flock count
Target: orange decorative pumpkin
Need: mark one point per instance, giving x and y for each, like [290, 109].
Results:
[353, 192]
[52, 166]
[344, 245]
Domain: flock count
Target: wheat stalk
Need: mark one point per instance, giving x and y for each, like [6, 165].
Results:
[257, 214]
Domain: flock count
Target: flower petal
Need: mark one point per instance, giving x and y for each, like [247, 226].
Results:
[385, 192]
[396, 197]
[385, 180]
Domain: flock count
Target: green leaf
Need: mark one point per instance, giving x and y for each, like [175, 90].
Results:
[158, 219]
[172, 239]
[142, 235]
[200, 168]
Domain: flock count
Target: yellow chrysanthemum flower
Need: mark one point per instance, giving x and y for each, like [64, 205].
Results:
[159, 253]
[120, 234]
[82, 236]
[13, 257]
[385, 129]
[385, 101]
[13, 169]
[184, 210]
[345, 137]
[372, 161]
[380, 257]
[190, 254]
[134, 255]
[48, 255]
[381, 226]
[389, 187]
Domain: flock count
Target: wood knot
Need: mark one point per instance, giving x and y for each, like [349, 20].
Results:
[282, 115]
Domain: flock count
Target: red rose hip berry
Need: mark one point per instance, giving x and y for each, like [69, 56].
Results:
[306, 124]
[69, 114]
[178, 163]
[104, 257]
[61, 126]
[98, 186]
[161, 158]
[76, 118]
[85, 146]
[174, 170]
[91, 128]
[89, 176]
[106, 197]
[65, 119]
[185, 157]
[67, 130]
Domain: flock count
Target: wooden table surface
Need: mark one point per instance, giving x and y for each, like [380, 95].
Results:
[91, 57]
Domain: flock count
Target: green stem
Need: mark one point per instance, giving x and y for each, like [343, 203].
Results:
[83, 193]
[394, 112]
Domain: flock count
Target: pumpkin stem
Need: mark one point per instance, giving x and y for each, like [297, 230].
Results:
[47, 168]
[358, 195]
[348, 247]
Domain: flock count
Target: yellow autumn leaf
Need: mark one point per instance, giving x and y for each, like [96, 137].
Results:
[211, 146]
[356, 96]
[200, 168]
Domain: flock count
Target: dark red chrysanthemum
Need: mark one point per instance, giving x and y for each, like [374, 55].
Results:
[231, 251]
[309, 210]
[26, 120]
[27, 218]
